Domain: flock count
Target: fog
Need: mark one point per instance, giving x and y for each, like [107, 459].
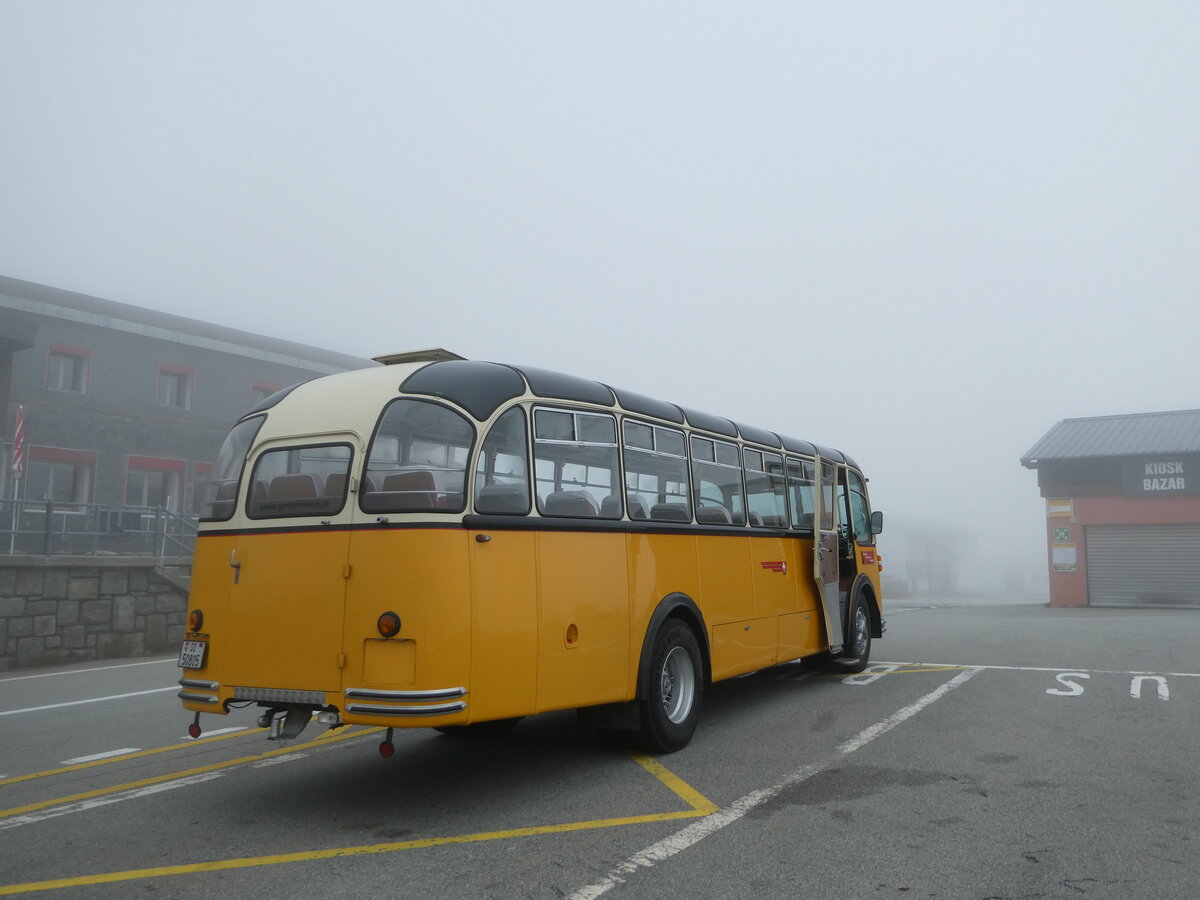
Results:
[922, 233]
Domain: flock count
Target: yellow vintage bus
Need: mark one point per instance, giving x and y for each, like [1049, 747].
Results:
[457, 544]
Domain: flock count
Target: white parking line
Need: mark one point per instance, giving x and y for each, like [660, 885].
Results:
[105, 755]
[29, 709]
[82, 805]
[151, 662]
[698, 831]
[950, 665]
[208, 734]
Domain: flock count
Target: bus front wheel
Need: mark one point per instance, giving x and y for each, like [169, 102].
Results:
[858, 642]
[673, 692]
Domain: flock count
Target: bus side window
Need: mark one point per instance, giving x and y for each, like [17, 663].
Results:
[502, 472]
[801, 476]
[656, 473]
[221, 497]
[765, 490]
[576, 465]
[717, 474]
[418, 459]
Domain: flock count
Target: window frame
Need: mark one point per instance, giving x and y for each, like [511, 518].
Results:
[187, 378]
[654, 451]
[737, 513]
[477, 475]
[364, 495]
[81, 355]
[259, 515]
[616, 484]
[177, 469]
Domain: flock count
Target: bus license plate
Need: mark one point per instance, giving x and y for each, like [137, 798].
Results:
[191, 654]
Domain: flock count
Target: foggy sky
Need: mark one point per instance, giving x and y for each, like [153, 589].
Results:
[920, 232]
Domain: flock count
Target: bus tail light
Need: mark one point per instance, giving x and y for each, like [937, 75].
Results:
[388, 624]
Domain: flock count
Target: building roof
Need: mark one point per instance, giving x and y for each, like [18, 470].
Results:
[39, 299]
[1138, 434]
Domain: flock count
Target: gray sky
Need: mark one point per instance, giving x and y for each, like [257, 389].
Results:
[920, 232]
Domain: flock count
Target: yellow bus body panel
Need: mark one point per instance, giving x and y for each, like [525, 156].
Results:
[659, 565]
[212, 579]
[286, 611]
[583, 619]
[504, 619]
[524, 621]
[422, 575]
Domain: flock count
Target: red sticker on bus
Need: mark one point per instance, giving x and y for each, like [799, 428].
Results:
[868, 557]
[778, 566]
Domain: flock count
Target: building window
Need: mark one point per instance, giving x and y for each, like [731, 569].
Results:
[68, 368]
[64, 476]
[155, 483]
[175, 386]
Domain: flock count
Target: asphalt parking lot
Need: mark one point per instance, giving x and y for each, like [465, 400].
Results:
[996, 748]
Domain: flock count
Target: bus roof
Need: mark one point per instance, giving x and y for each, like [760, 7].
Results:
[482, 387]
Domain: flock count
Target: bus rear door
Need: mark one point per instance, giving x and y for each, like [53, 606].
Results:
[287, 597]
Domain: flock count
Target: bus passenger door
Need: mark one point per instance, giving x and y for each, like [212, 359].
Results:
[825, 553]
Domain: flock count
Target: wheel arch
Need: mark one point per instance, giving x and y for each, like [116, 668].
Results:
[678, 606]
[863, 588]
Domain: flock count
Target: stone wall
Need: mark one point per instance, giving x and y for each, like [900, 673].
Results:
[56, 610]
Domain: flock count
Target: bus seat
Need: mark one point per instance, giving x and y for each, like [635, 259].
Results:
[569, 503]
[713, 515]
[774, 522]
[300, 486]
[227, 490]
[637, 506]
[669, 512]
[335, 484]
[610, 507]
[502, 498]
[755, 519]
[411, 490]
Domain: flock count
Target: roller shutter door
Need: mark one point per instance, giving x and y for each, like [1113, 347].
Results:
[1143, 565]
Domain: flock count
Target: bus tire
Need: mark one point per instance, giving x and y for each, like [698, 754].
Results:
[479, 730]
[857, 650]
[673, 691]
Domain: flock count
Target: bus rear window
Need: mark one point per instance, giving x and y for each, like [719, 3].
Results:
[220, 498]
[418, 459]
[300, 481]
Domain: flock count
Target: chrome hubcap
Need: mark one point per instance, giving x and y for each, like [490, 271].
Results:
[861, 632]
[678, 685]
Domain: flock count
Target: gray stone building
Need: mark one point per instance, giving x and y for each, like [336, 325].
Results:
[126, 406]
[124, 410]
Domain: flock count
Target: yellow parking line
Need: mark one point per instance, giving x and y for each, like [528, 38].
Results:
[336, 852]
[112, 759]
[682, 789]
[701, 806]
[100, 792]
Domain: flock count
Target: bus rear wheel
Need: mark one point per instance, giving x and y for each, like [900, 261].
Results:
[673, 692]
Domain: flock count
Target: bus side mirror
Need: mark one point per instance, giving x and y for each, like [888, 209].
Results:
[876, 522]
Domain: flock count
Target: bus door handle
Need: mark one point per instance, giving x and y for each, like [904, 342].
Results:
[236, 565]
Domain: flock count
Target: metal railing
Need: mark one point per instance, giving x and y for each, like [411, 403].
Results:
[47, 527]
